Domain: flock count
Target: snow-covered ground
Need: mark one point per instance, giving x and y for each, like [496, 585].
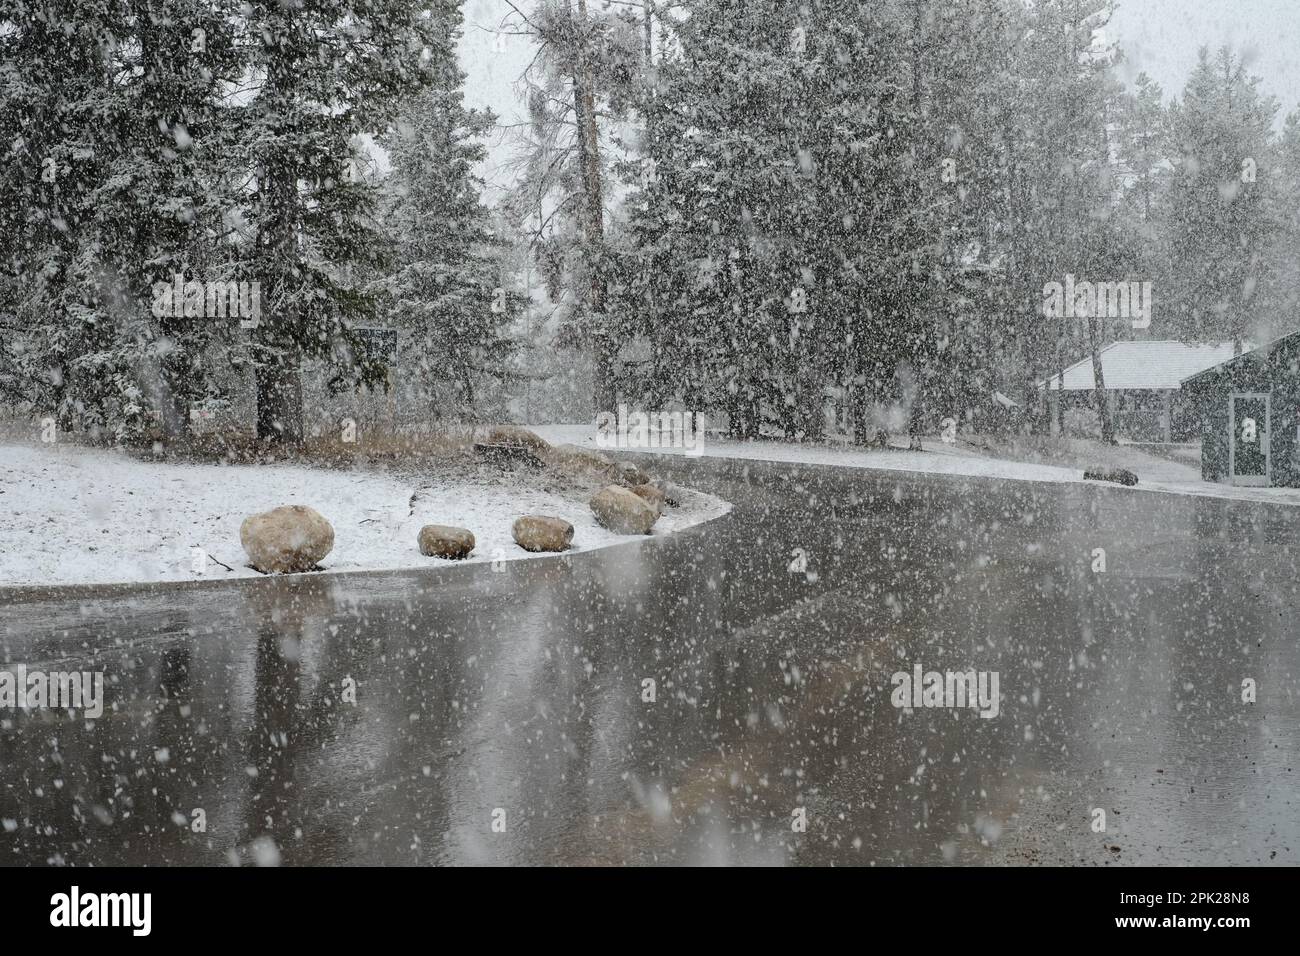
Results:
[96, 516]
[75, 515]
[1154, 473]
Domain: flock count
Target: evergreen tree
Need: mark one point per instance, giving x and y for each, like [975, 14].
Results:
[587, 64]
[447, 292]
[787, 236]
[1139, 149]
[1066, 195]
[1280, 301]
[1220, 227]
[326, 72]
[56, 121]
[161, 210]
[116, 171]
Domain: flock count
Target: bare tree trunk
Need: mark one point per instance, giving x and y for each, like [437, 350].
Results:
[1056, 414]
[584, 105]
[1032, 395]
[1099, 382]
[1107, 426]
[279, 397]
[649, 31]
[858, 410]
[278, 365]
[175, 411]
[917, 410]
[62, 389]
[1056, 401]
[1060, 403]
[158, 378]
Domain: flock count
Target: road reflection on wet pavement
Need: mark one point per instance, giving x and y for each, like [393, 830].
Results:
[692, 699]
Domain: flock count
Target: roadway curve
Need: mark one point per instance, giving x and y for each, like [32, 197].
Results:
[522, 691]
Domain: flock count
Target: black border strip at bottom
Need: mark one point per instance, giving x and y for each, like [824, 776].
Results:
[336, 905]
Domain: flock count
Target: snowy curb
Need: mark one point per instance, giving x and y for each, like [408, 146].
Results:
[83, 516]
[942, 461]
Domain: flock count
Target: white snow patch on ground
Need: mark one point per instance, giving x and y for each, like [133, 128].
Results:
[1156, 474]
[75, 515]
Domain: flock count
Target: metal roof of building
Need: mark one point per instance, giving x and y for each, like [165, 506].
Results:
[1143, 365]
[1263, 353]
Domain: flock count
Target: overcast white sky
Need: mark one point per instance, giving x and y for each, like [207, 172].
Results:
[1160, 37]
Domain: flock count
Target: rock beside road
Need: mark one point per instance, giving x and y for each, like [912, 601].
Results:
[286, 540]
[1119, 475]
[517, 436]
[576, 458]
[445, 541]
[507, 456]
[652, 495]
[622, 511]
[542, 533]
[631, 475]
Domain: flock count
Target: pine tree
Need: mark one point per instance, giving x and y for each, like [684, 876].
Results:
[56, 116]
[327, 72]
[587, 64]
[778, 229]
[115, 160]
[447, 293]
[1140, 141]
[1280, 301]
[161, 209]
[969, 130]
[1220, 227]
[1061, 194]
[955, 68]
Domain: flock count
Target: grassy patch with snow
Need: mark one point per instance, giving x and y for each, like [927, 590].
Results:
[77, 515]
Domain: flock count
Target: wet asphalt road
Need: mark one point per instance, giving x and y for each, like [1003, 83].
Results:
[519, 697]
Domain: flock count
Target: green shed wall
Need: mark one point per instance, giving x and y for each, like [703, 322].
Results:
[1276, 374]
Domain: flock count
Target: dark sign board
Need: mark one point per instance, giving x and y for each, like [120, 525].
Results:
[381, 343]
